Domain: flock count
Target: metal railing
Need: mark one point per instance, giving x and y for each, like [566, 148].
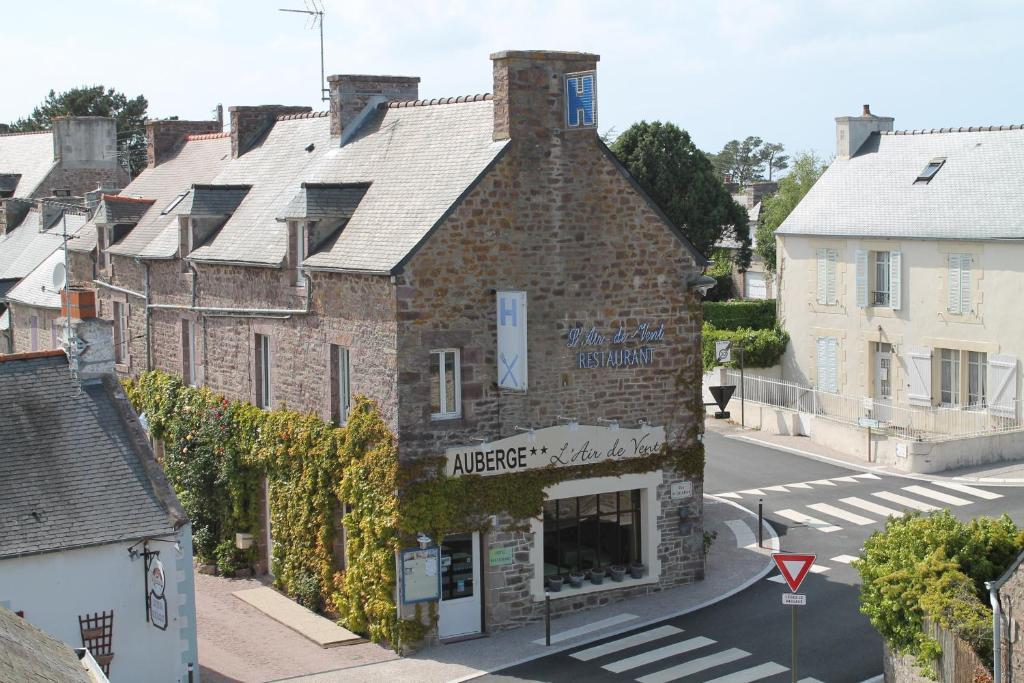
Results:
[921, 423]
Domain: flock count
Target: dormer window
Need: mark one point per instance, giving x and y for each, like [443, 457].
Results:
[925, 176]
[299, 250]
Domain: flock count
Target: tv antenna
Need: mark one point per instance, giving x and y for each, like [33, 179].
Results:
[315, 11]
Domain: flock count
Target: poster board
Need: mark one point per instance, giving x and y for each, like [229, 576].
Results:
[419, 573]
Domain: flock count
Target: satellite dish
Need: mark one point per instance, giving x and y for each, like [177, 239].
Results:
[60, 276]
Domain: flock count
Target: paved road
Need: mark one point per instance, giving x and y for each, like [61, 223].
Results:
[816, 507]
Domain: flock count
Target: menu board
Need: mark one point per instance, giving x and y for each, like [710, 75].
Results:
[420, 578]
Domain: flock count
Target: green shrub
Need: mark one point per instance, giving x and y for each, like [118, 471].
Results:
[307, 590]
[228, 558]
[935, 567]
[732, 315]
[762, 348]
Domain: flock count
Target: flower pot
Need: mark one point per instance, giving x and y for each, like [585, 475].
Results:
[576, 580]
[555, 584]
[617, 572]
[636, 570]
[597, 576]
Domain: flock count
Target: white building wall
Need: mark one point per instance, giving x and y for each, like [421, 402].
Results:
[53, 589]
[994, 325]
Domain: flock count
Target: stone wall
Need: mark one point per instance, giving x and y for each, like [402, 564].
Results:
[80, 180]
[46, 327]
[1011, 596]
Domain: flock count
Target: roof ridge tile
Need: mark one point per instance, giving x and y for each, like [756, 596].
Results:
[25, 132]
[303, 115]
[119, 198]
[438, 100]
[29, 355]
[207, 136]
[959, 129]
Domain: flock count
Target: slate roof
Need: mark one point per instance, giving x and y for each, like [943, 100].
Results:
[119, 210]
[5, 320]
[324, 201]
[30, 655]
[198, 161]
[75, 469]
[213, 200]
[30, 290]
[975, 195]
[25, 247]
[31, 155]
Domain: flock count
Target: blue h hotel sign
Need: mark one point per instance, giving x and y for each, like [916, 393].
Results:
[581, 100]
[512, 340]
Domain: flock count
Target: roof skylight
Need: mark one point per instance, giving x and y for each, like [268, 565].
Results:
[175, 202]
[930, 170]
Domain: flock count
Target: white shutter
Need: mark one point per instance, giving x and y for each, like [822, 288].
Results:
[830, 291]
[919, 368]
[895, 284]
[953, 284]
[828, 370]
[822, 276]
[1002, 385]
[965, 283]
[861, 259]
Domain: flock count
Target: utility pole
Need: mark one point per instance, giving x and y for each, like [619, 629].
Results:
[315, 9]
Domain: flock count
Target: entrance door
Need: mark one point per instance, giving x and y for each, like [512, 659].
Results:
[459, 611]
[883, 382]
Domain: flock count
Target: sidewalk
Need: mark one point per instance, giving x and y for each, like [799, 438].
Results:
[731, 568]
[995, 473]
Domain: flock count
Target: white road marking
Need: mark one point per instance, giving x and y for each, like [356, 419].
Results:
[822, 482]
[801, 518]
[904, 501]
[871, 507]
[753, 492]
[936, 495]
[780, 489]
[808, 680]
[588, 628]
[650, 656]
[815, 569]
[694, 666]
[866, 475]
[744, 536]
[832, 510]
[727, 495]
[845, 559]
[799, 486]
[624, 643]
[846, 480]
[969, 490]
[754, 673]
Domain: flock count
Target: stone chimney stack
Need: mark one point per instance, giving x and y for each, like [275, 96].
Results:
[351, 93]
[853, 131]
[538, 94]
[250, 123]
[93, 355]
[165, 136]
[85, 141]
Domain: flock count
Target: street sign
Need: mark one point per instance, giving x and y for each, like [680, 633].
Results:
[723, 351]
[794, 599]
[869, 422]
[722, 395]
[793, 567]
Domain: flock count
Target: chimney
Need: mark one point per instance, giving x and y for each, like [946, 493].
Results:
[12, 212]
[351, 93]
[165, 136]
[85, 141]
[853, 131]
[539, 93]
[250, 124]
[93, 338]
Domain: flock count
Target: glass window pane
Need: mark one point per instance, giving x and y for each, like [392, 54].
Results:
[457, 567]
[449, 382]
[636, 499]
[625, 500]
[588, 506]
[590, 536]
[435, 383]
[607, 502]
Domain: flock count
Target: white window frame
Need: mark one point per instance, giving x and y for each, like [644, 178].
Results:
[958, 280]
[341, 387]
[456, 410]
[881, 296]
[120, 310]
[300, 252]
[264, 384]
[977, 371]
[950, 358]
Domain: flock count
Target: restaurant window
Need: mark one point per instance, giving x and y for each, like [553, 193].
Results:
[445, 378]
[263, 388]
[591, 531]
[341, 387]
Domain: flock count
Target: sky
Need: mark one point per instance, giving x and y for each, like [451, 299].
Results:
[778, 69]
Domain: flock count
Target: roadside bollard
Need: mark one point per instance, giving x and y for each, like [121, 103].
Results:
[190, 672]
[547, 619]
[760, 522]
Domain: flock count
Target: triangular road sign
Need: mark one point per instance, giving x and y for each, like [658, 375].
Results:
[722, 394]
[793, 567]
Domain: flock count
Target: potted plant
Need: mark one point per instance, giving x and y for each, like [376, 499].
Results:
[597, 576]
[555, 584]
[618, 572]
[636, 569]
[576, 579]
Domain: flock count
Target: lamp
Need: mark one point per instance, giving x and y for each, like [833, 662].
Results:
[702, 283]
[423, 540]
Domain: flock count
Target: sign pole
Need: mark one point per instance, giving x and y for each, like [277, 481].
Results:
[793, 654]
[743, 400]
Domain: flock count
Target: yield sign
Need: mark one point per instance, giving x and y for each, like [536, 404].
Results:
[794, 567]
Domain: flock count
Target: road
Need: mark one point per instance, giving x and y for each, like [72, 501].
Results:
[816, 507]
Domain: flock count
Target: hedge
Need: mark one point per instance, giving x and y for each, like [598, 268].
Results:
[762, 348]
[733, 315]
[935, 567]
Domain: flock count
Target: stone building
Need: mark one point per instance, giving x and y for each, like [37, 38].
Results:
[481, 267]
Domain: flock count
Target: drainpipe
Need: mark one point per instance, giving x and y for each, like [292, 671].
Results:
[146, 314]
[997, 616]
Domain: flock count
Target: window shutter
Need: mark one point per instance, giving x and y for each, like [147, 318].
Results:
[822, 277]
[953, 282]
[895, 284]
[862, 278]
[1002, 385]
[830, 292]
[965, 283]
[828, 371]
[919, 369]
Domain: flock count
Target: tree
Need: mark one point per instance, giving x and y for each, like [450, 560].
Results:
[681, 180]
[97, 101]
[807, 168]
[750, 160]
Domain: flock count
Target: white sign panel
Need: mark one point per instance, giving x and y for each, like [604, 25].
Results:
[798, 599]
[682, 489]
[723, 351]
[559, 446]
[512, 340]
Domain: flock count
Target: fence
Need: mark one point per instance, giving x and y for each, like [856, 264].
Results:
[921, 423]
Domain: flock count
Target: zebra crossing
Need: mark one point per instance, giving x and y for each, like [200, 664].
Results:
[798, 486]
[688, 656]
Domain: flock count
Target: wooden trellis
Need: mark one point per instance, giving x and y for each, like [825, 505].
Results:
[98, 636]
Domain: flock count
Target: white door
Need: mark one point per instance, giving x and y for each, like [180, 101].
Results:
[755, 286]
[459, 611]
[883, 382]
